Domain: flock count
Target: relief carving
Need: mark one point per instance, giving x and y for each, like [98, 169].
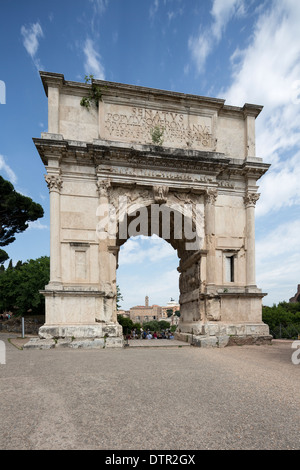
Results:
[160, 194]
[189, 280]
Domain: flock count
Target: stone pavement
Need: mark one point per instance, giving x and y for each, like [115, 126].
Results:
[150, 398]
[156, 343]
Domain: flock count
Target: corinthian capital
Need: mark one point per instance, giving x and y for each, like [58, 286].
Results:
[103, 187]
[211, 195]
[54, 182]
[251, 199]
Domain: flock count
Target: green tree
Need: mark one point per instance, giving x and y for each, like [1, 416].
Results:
[16, 211]
[155, 325]
[152, 325]
[20, 286]
[283, 319]
[169, 312]
[125, 322]
[119, 298]
[164, 325]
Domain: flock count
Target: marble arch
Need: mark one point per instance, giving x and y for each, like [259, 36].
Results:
[104, 156]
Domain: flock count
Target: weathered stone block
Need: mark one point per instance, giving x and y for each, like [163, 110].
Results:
[87, 343]
[223, 341]
[36, 343]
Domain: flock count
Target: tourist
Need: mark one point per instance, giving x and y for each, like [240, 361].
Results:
[155, 335]
[149, 335]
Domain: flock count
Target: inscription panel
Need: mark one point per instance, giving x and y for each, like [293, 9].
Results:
[134, 124]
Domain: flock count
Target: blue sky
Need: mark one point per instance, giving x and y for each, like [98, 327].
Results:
[238, 50]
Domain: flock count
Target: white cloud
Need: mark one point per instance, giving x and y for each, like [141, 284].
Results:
[222, 11]
[200, 47]
[134, 251]
[202, 44]
[4, 167]
[160, 286]
[266, 73]
[154, 8]
[99, 5]
[37, 225]
[280, 187]
[278, 262]
[147, 266]
[273, 246]
[31, 35]
[92, 63]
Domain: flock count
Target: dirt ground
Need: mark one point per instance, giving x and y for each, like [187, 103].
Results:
[150, 398]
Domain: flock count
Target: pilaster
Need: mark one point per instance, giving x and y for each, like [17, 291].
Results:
[210, 236]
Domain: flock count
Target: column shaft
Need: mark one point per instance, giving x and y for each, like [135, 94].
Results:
[250, 201]
[54, 184]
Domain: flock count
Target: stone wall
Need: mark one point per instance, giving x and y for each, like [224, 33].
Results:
[31, 325]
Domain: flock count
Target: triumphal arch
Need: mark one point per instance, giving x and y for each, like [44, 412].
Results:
[125, 160]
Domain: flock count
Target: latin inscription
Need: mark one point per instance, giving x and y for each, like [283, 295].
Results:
[135, 124]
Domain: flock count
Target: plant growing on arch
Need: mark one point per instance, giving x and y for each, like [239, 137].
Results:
[157, 135]
[95, 94]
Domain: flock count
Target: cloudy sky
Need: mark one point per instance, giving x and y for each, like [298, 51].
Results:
[238, 50]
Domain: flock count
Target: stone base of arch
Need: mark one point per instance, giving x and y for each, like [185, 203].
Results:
[219, 334]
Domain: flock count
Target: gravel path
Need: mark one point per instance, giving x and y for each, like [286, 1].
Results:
[150, 398]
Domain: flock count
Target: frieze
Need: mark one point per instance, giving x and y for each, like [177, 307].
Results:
[170, 175]
[226, 184]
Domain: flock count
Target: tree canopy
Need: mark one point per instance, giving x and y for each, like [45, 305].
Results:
[20, 286]
[16, 211]
[285, 313]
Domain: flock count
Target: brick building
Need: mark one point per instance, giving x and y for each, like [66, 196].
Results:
[144, 313]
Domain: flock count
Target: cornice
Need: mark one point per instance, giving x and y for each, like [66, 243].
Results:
[52, 79]
[146, 156]
[146, 94]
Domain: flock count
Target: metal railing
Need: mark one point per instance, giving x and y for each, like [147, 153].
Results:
[291, 331]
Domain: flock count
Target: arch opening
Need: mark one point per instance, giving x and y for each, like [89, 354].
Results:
[147, 279]
[178, 227]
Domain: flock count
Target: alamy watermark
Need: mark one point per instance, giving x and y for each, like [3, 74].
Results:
[2, 353]
[296, 354]
[174, 221]
[2, 92]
